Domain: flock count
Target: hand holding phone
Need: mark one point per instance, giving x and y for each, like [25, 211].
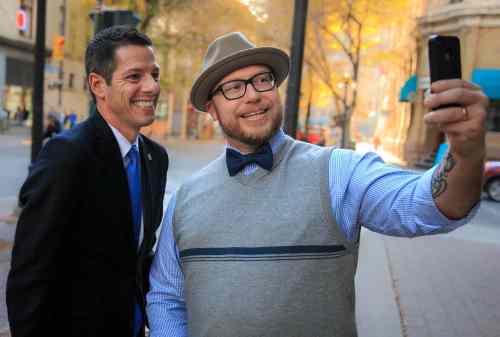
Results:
[444, 60]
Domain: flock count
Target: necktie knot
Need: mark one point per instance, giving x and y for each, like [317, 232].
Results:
[236, 161]
[133, 155]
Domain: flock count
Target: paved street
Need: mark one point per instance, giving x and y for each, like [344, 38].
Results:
[439, 286]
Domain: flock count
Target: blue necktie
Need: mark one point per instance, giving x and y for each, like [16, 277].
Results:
[134, 184]
[236, 161]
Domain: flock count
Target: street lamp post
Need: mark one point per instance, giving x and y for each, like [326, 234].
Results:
[38, 81]
[297, 54]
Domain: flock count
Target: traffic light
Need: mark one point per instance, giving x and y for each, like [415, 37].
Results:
[113, 17]
[58, 47]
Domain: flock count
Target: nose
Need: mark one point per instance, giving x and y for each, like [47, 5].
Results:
[251, 94]
[151, 85]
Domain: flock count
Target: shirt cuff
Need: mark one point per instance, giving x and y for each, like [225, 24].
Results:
[429, 211]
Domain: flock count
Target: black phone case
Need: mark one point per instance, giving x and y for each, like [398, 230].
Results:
[444, 60]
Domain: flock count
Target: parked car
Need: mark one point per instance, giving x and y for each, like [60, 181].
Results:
[315, 135]
[492, 179]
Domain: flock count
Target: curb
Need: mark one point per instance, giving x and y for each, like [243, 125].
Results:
[5, 331]
[11, 219]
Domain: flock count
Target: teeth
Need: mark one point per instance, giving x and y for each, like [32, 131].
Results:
[144, 104]
[254, 113]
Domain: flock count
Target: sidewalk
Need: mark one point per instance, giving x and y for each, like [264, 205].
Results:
[447, 287]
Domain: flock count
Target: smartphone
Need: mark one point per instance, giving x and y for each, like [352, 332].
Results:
[444, 60]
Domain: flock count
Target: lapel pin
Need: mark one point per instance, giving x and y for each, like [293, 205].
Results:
[149, 156]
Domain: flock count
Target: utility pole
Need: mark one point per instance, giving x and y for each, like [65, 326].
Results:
[297, 55]
[62, 29]
[38, 83]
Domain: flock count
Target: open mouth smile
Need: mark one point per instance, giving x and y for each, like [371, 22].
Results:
[254, 114]
[144, 103]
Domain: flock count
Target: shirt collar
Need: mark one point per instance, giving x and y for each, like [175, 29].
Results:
[123, 142]
[276, 141]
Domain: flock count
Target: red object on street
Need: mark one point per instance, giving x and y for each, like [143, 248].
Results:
[314, 136]
[492, 179]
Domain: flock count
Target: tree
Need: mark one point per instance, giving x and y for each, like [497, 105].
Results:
[341, 33]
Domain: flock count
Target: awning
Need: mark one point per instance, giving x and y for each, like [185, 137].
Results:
[408, 90]
[489, 81]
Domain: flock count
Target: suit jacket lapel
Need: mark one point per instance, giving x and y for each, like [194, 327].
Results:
[147, 191]
[114, 175]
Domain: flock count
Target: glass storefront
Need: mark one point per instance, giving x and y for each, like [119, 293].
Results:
[17, 97]
[17, 91]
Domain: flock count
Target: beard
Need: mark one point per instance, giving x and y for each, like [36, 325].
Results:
[233, 130]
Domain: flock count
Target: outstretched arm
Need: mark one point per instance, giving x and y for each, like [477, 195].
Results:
[457, 183]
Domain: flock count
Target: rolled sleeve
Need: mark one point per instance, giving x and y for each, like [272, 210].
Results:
[385, 199]
[428, 216]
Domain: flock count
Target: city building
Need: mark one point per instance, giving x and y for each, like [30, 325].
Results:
[66, 33]
[477, 24]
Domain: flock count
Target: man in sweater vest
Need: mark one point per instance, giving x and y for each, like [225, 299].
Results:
[263, 242]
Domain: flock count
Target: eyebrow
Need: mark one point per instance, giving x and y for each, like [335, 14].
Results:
[140, 70]
[241, 79]
[131, 70]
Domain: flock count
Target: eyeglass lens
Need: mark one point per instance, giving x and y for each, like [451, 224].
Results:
[236, 89]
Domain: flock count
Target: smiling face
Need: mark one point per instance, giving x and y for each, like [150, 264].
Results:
[129, 101]
[251, 120]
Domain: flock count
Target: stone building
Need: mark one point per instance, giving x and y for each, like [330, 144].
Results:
[65, 89]
[477, 24]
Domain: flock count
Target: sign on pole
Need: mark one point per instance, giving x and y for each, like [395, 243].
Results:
[22, 20]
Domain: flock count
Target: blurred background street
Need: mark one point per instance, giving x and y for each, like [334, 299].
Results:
[440, 286]
[359, 84]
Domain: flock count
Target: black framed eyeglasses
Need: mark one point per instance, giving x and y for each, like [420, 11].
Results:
[235, 89]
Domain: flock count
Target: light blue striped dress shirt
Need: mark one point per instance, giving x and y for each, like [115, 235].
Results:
[364, 192]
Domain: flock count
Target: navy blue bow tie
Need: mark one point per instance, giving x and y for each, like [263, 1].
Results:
[236, 161]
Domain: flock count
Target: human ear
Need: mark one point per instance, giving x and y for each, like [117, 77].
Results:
[209, 106]
[97, 85]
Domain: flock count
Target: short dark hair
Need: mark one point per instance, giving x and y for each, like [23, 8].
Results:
[100, 53]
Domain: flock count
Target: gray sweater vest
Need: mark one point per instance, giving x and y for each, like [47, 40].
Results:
[262, 255]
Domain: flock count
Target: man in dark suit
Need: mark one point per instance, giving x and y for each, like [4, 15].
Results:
[91, 206]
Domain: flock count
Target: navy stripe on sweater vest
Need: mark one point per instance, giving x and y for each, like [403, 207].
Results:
[262, 253]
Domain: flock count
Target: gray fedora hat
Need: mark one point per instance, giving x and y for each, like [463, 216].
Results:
[231, 52]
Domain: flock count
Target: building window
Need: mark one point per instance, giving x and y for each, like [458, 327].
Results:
[27, 6]
[71, 80]
[493, 119]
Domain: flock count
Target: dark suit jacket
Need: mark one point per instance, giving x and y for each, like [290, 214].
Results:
[75, 270]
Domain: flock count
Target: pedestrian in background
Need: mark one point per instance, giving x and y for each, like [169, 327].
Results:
[25, 114]
[91, 205]
[18, 116]
[53, 127]
[4, 120]
[70, 120]
[264, 241]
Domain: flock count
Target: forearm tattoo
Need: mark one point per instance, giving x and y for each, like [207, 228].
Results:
[440, 179]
